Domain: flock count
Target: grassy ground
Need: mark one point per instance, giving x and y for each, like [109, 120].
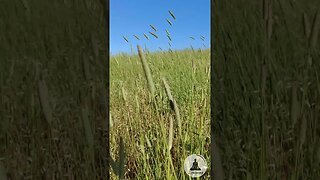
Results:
[53, 76]
[266, 122]
[266, 115]
[145, 127]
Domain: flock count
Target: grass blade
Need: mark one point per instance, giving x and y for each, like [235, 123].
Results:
[87, 128]
[315, 30]
[170, 140]
[216, 159]
[173, 104]
[119, 167]
[3, 173]
[122, 159]
[294, 104]
[44, 100]
[306, 25]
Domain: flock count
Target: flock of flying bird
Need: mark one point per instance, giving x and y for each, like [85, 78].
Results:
[167, 32]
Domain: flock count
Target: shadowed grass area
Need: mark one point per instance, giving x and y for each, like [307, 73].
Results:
[53, 76]
[155, 149]
[266, 89]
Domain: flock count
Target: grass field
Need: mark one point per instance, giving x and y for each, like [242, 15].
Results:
[267, 114]
[144, 123]
[53, 102]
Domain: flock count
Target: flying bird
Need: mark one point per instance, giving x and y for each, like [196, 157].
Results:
[191, 37]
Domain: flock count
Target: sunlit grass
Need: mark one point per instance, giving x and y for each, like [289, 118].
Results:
[145, 125]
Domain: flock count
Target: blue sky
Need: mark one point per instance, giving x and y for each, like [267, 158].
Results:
[133, 17]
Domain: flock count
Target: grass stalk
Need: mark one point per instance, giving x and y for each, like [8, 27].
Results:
[173, 104]
[147, 72]
[44, 99]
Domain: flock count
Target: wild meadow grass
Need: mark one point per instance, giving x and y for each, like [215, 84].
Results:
[154, 146]
[53, 102]
[266, 88]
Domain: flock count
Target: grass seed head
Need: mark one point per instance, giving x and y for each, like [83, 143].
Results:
[146, 36]
[126, 39]
[147, 71]
[315, 30]
[172, 15]
[169, 22]
[153, 27]
[167, 32]
[153, 34]
[136, 37]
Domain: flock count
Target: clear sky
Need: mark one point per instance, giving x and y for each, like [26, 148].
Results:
[134, 17]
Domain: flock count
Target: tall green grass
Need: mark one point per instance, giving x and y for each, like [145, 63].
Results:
[53, 76]
[266, 88]
[159, 133]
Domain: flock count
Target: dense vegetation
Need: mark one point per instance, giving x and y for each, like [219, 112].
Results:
[266, 88]
[154, 143]
[53, 102]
